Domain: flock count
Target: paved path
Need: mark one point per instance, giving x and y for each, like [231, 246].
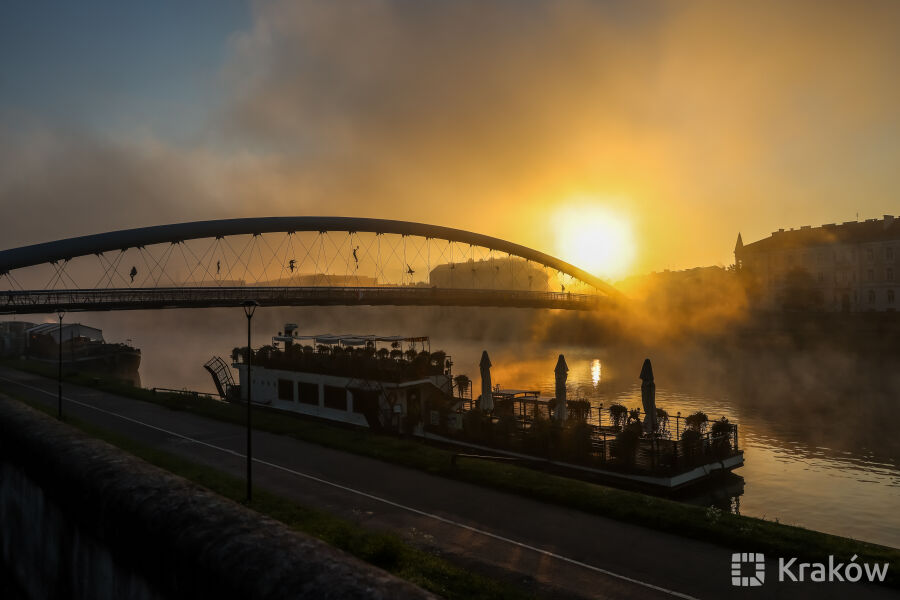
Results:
[555, 549]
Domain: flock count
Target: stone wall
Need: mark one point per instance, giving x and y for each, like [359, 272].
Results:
[82, 519]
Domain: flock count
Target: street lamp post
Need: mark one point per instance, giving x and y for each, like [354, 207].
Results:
[249, 309]
[60, 314]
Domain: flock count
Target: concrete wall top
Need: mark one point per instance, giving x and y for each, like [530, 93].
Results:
[186, 540]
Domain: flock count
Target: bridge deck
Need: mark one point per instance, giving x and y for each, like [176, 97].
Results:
[46, 301]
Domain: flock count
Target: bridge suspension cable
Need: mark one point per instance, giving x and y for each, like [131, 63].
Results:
[163, 265]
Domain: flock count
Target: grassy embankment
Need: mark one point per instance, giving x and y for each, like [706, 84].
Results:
[732, 531]
[383, 550]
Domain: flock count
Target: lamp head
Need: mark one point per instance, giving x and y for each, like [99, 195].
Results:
[250, 307]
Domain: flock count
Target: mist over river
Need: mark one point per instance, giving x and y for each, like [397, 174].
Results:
[818, 427]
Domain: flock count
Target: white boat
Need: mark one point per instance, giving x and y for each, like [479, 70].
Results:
[380, 382]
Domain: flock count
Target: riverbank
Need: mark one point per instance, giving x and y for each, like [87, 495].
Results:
[691, 521]
[383, 550]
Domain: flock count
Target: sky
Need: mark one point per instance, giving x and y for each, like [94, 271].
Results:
[667, 127]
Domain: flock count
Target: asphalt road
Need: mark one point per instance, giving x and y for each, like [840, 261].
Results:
[554, 550]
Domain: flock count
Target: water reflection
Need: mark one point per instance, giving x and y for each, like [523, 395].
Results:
[595, 372]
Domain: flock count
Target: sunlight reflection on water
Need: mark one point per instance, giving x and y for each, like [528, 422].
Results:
[595, 372]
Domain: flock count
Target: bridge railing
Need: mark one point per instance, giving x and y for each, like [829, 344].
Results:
[44, 301]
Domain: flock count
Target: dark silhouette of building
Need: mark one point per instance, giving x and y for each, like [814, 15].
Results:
[851, 267]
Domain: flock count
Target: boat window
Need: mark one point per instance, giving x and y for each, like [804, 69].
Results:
[308, 393]
[335, 397]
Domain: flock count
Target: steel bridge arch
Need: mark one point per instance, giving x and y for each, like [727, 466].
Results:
[67, 249]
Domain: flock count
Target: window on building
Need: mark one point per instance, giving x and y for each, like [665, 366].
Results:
[335, 397]
[889, 253]
[308, 393]
[821, 277]
[285, 389]
[870, 254]
[870, 275]
[890, 296]
[871, 296]
[889, 274]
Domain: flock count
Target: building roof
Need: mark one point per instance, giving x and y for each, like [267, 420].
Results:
[355, 339]
[851, 232]
[77, 329]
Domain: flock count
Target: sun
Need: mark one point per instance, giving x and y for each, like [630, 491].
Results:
[594, 237]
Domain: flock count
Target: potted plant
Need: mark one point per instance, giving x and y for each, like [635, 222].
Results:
[617, 414]
[696, 422]
[720, 435]
[626, 443]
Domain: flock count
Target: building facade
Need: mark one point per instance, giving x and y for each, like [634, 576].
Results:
[506, 273]
[851, 267]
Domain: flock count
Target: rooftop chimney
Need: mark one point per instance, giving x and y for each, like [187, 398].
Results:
[888, 221]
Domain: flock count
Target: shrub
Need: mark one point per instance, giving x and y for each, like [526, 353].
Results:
[634, 415]
[626, 443]
[662, 420]
[617, 414]
[541, 438]
[576, 441]
[721, 436]
[579, 410]
[690, 442]
[696, 422]
[721, 427]
[462, 384]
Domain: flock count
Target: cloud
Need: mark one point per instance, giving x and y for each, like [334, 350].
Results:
[705, 116]
[440, 109]
[59, 182]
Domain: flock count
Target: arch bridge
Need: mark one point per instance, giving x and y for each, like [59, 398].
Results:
[290, 261]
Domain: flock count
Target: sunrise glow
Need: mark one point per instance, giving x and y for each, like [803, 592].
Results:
[595, 238]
